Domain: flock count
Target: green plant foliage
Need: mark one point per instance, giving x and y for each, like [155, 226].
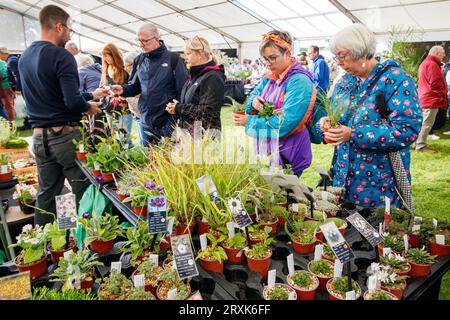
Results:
[235, 106]
[140, 294]
[150, 271]
[44, 293]
[114, 287]
[57, 237]
[396, 262]
[260, 250]
[279, 293]
[213, 251]
[237, 242]
[420, 256]
[340, 286]
[303, 279]
[108, 156]
[267, 111]
[103, 228]
[138, 241]
[170, 280]
[394, 242]
[380, 295]
[322, 268]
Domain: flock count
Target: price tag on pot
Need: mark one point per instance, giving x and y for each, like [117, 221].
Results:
[208, 188]
[406, 242]
[386, 251]
[271, 278]
[81, 148]
[366, 229]
[350, 295]
[372, 283]
[116, 265]
[337, 242]
[157, 214]
[203, 242]
[435, 223]
[290, 263]
[154, 258]
[172, 294]
[337, 270]
[318, 252]
[16, 287]
[387, 205]
[230, 227]
[67, 254]
[440, 239]
[139, 280]
[239, 213]
[170, 223]
[4, 169]
[66, 211]
[184, 256]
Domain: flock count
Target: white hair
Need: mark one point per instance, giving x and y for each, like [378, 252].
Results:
[130, 56]
[149, 28]
[356, 38]
[83, 60]
[435, 50]
[72, 44]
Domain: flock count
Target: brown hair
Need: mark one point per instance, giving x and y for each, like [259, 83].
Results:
[51, 15]
[283, 35]
[117, 65]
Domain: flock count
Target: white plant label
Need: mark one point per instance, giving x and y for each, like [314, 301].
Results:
[294, 207]
[154, 258]
[171, 220]
[67, 254]
[387, 205]
[435, 223]
[380, 228]
[203, 242]
[272, 277]
[338, 266]
[318, 252]
[230, 227]
[139, 280]
[416, 228]
[350, 295]
[386, 251]
[440, 239]
[81, 148]
[418, 219]
[4, 169]
[256, 212]
[172, 294]
[372, 283]
[116, 265]
[290, 262]
[96, 165]
[292, 295]
[239, 254]
[406, 242]
[204, 220]
[324, 216]
[324, 195]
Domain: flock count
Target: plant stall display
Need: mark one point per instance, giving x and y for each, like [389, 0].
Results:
[213, 257]
[258, 257]
[234, 248]
[420, 261]
[303, 240]
[169, 280]
[5, 160]
[151, 273]
[32, 257]
[397, 262]
[26, 197]
[323, 269]
[58, 243]
[279, 291]
[338, 287]
[138, 243]
[379, 295]
[107, 157]
[76, 270]
[101, 231]
[390, 281]
[304, 283]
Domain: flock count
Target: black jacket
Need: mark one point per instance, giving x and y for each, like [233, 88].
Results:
[202, 97]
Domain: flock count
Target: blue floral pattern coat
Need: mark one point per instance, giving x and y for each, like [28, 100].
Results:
[362, 166]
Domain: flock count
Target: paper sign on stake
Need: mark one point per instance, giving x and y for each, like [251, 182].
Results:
[418, 219]
[290, 262]
[338, 267]
[440, 239]
[230, 227]
[81, 148]
[171, 220]
[203, 242]
[256, 212]
[387, 203]
[139, 280]
[66, 211]
[435, 223]
[416, 228]
[272, 277]
[239, 254]
[406, 242]
[324, 216]
[116, 265]
[294, 207]
[318, 252]
[154, 258]
[386, 251]
[372, 283]
[4, 169]
[324, 195]
[67, 254]
[350, 295]
[96, 165]
[380, 228]
[172, 294]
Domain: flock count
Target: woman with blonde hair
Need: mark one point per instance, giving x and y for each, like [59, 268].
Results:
[113, 72]
[202, 96]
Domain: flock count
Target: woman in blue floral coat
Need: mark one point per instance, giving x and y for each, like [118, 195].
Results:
[363, 141]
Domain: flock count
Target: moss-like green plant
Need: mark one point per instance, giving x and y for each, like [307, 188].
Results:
[140, 294]
[279, 293]
[394, 242]
[303, 279]
[380, 295]
[322, 268]
[114, 287]
[340, 286]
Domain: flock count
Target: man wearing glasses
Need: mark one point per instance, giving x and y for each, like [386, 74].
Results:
[158, 75]
[50, 87]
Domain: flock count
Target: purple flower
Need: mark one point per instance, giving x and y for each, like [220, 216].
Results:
[99, 179]
[158, 202]
[150, 185]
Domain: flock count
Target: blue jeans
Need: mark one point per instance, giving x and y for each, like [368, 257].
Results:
[3, 112]
[153, 135]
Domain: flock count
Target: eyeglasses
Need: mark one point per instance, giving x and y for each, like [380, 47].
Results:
[72, 32]
[144, 41]
[340, 57]
[271, 59]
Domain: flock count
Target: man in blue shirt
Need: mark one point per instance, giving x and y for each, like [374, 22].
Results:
[320, 69]
[50, 87]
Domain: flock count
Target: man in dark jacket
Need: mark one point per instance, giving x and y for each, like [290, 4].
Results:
[159, 77]
[90, 73]
[432, 93]
[320, 69]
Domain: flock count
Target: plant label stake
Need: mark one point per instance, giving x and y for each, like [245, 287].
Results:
[295, 207]
[66, 211]
[417, 219]
[435, 223]
[318, 252]
[230, 227]
[324, 216]
[325, 177]
[406, 242]
[157, 216]
[257, 213]
[67, 238]
[292, 295]
[248, 237]
[239, 213]
[387, 210]
[81, 148]
[415, 228]
[208, 188]
[337, 270]
[172, 294]
[372, 283]
[337, 242]
[386, 251]
[440, 239]
[203, 242]
[380, 228]
[350, 295]
[170, 222]
[271, 278]
[290, 263]
[183, 255]
[67, 254]
[4, 169]
[116, 265]
[324, 195]
[96, 165]
[139, 280]
[154, 258]
[366, 229]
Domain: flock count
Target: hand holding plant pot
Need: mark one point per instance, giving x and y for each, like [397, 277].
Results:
[213, 256]
[238, 108]
[334, 132]
[26, 196]
[101, 232]
[32, 257]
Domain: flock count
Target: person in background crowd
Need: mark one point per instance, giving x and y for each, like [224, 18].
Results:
[7, 99]
[320, 69]
[113, 73]
[303, 60]
[360, 163]
[432, 93]
[90, 73]
[72, 47]
[289, 87]
[133, 102]
[13, 64]
[50, 86]
[447, 79]
[2, 94]
[202, 96]
[159, 76]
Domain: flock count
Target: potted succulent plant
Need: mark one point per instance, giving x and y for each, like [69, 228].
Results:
[323, 269]
[32, 257]
[338, 287]
[391, 241]
[91, 162]
[26, 197]
[6, 173]
[44, 293]
[390, 281]
[314, 227]
[337, 191]
[213, 256]
[440, 250]
[138, 243]
[397, 262]
[258, 257]
[379, 295]
[267, 217]
[234, 248]
[114, 287]
[303, 239]
[421, 262]
[257, 235]
[77, 270]
[279, 291]
[101, 231]
[304, 283]
[169, 280]
[58, 243]
[328, 253]
[151, 273]
[140, 294]
[280, 212]
[326, 196]
[325, 206]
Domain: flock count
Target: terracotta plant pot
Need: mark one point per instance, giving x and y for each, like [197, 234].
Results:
[393, 296]
[304, 294]
[439, 249]
[211, 265]
[256, 241]
[203, 227]
[102, 246]
[96, 173]
[26, 209]
[182, 229]
[239, 112]
[86, 284]
[396, 292]
[232, 255]
[326, 130]
[279, 285]
[406, 272]
[140, 211]
[419, 270]
[165, 246]
[332, 296]
[158, 292]
[36, 269]
[414, 240]
[322, 280]
[56, 255]
[122, 196]
[303, 248]
[272, 226]
[8, 176]
[319, 235]
[81, 156]
[326, 258]
[259, 265]
[107, 177]
[281, 222]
